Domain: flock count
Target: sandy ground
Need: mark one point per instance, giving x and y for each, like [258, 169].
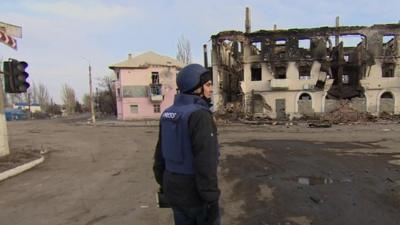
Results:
[268, 175]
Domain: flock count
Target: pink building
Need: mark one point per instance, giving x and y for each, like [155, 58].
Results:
[145, 85]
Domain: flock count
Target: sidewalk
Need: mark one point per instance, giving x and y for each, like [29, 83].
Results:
[20, 169]
[19, 160]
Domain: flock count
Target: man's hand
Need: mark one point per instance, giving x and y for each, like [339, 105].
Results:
[212, 212]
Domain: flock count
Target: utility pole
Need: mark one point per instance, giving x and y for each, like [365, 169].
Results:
[4, 148]
[91, 95]
[205, 56]
[337, 24]
[14, 31]
[29, 106]
[247, 21]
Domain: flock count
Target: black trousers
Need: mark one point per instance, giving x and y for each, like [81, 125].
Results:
[192, 216]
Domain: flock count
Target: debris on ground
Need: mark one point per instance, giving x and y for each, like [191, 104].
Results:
[231, 112]
[389, 116]
[316, 200]
[259, 122]
[345, 114]
[320, 124]
[390, 180]
[116, 173]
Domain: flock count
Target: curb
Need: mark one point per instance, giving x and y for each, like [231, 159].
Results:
[20, 169]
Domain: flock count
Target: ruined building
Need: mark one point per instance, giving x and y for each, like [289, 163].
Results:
[288, 73]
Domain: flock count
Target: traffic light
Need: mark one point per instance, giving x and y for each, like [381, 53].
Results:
[15, 76]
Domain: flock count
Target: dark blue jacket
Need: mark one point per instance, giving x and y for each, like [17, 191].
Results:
[186, 157]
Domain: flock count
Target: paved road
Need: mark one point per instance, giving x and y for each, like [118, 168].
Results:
[268, 175]
[92, 175]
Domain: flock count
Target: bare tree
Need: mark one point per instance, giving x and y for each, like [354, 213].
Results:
[68, 98]
[184, 54]
[41, 95]
[33, 90]
[14, 98]
[106, 98]
[86, 102]
[27, 96]
[54, 109]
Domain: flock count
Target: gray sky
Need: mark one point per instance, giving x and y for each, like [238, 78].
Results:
[60, 36]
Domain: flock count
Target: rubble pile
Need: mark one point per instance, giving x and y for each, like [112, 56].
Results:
[344, 113]
[231, 112]
[389, 116]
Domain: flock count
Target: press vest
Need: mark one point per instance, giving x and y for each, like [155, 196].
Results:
[175, 138]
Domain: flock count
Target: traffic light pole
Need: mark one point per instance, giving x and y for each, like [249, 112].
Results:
[4, 149]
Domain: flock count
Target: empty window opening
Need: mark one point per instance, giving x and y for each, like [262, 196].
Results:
[304, 73]
[388, 70]
[331, 39]
[305, 96]
[156, 108]
[329, 43]
[155, 78]
[227, 42]
[387, 39]
[305, 43]
[387, 95]
[238, 47]
[134, 108]
[227, 45]
[280, 72]
[280, 42]
[388, 45]
[118, 92]
[256, 47]
[351, 40]
[256, 73]
[346, 57]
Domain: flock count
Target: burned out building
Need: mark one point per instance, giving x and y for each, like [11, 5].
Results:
[288, 73]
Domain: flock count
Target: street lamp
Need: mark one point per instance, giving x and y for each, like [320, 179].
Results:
[91, 93]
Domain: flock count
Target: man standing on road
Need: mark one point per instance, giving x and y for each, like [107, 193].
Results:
[186, 156]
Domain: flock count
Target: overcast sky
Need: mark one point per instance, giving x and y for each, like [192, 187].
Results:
[59, 37]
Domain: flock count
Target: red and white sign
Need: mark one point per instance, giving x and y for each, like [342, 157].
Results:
[8, 40]
[11, 30]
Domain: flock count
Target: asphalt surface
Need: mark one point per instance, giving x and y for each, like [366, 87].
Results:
[268, 175]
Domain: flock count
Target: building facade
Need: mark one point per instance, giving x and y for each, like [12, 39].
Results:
[145, 85]
[34, 107]
[289, 73]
